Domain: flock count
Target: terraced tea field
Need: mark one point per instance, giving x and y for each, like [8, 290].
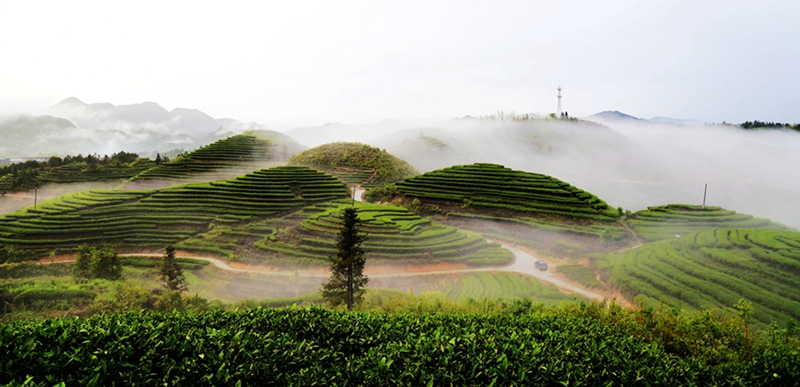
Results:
[665, 222]
[393, 234]
[494, 187]
[503, 286]
[155, 218]
[242, 154]
[714, 269]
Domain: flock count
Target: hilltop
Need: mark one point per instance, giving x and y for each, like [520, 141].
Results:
[355, 163]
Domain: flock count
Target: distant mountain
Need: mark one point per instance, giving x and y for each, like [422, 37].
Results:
[35, 136]
[613, 115]
[146, 115]
[73, 126]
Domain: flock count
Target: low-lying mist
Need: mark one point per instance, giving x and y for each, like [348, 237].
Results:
[632, 165]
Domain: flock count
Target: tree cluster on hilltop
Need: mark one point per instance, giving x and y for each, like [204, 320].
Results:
[28, 174]
[771, 125]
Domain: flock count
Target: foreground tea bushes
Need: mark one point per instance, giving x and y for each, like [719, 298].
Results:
[322, 347]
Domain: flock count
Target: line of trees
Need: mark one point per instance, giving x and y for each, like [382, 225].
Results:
[771, 125]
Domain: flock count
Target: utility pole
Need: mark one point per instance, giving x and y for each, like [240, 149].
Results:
[354, 196]
[705, 191]
[35, 194]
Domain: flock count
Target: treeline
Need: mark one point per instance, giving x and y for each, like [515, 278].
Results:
[771, 125]
[30, 174]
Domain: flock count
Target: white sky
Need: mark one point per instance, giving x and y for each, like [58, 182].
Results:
[311, 62]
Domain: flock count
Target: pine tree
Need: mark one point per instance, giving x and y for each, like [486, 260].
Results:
[171, 273]
[347, 281]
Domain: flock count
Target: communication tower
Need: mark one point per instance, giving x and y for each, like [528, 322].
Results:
[558, 114]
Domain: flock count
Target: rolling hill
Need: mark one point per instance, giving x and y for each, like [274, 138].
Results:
[155, 218]
[226, 158]
[355, 163]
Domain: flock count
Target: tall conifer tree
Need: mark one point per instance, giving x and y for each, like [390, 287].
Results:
[171, 273]
[347, 281]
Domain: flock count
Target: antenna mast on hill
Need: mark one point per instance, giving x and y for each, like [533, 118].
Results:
[558, 114]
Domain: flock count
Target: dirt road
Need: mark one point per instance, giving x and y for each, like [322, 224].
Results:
[523, 263]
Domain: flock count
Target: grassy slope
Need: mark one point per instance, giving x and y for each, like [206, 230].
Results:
[714, 269]
[355, 163]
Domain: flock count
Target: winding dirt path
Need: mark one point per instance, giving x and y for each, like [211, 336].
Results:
[523, 263]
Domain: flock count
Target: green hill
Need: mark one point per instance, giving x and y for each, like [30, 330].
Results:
[237, 154]
[495, 187]
[394, 234]
[525, 208]
[355, 163]
[154, 218]
[666, 222]
[714, 269]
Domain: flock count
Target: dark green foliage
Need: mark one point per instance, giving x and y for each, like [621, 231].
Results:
[170, 272]
[351, 159]
[384, 193]
[588, 346]
[93, 262]
[767, 125]
[347, 281]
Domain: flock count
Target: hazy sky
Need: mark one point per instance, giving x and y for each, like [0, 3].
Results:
[311, 62]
